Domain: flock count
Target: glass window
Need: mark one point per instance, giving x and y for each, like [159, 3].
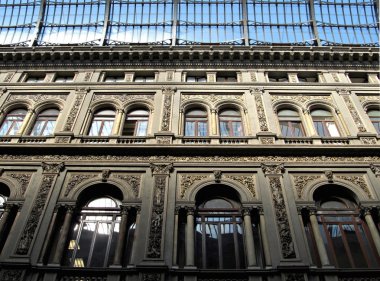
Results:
[374, 115]
[324, 123]
[102, 123]
[196, 123]
[230, 124]
[45, 123]
[345, 235]
[199, 79]
[114, 78]
[35, 79]
[144, 79]
[13, 121]
[136, 123]
[290, 123]
[94, 234]
[64, 79]
[219, 235]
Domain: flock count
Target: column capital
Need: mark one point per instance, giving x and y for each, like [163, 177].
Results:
[273, 169]
[52, 168]
[190, 210]
[161, 169]
[124, 210]
[246, 211]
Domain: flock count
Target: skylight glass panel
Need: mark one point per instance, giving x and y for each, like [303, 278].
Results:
[140, 22]
[18, 21]
[73, 22]
[279, 22]
[203, 22]
[350, 22]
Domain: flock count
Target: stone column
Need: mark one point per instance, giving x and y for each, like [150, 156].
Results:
[318, 238]
[50, 232]
[250, 246]
[63, 234]
[190, 237]
[118, 121]
[133, 258]
[264, 238]
[26, 121]
[175, 241]
[122, 235]
[372, 228]
[4, 217]
[213, 122]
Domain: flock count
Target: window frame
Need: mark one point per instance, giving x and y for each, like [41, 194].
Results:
[199, 119]
[45, 118]
[142, 119]
[231, 131]
[324, 120]
[13, 122]
[291, 128]
[102, 122]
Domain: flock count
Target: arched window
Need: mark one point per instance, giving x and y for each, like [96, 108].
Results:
[102, 123]
[345, 234]
[324, 123]
[94, 235]
[290, 123]
[45, 122]
[374, 115]
[230, 123]
[12, 122]
[136, 123]
[196, 123]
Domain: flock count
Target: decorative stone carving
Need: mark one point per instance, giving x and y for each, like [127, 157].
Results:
[213, 98]
[189, 180]
[273, 169]
[75, 180]
[166, 116]
[105, 175]
[23, 179]
[151, 277]
[163, 140]
[267, 140]
[300, 182]
[294, 277]
[169, 76]
[354, 114]
[256, 160]
[375, 169]
[217, 176]
[123, 98]
[374, 98]
[287, 246]
[161, 169]
[4, 90]
[36, 98]
[329, 176]
[155, 234]
[62, 139]
[9, 76]
[52, 168]
[335, 77]
[35, 214]
[358, 181]
[74, 112]
[260, 108]
[253, 77]
[87, 76]
[247, 181]
[132, 180]
[11, 275]
[302, 99]
[368, 140]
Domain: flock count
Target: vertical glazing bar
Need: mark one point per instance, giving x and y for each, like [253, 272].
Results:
[245, 22]
[317, 40]
[174, 21]
[106, 22]
[38, 28]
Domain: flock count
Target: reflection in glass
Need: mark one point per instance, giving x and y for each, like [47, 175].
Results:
[324, 123]
[136, 123]
[290, 123]
[374, 116]
[12, 123]
[196, 123]
[230, 123]
[102, 123]
[45, 123]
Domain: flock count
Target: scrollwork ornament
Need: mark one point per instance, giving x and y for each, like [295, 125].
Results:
[23, 179]
[52, 168]
[74, 111]
[75, 180]
[151, 277]
[188, 180]
[294, 277]
[11, 274]
[359, 181]
[273, 169]
[247, 181]
[168, 93]
[133, 181]
[300, 182]
[35, 214]
[260, 110]
[375, 169]
[368, 140]
[354, 113]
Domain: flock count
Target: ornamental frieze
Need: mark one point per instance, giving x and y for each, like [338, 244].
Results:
[168, 93]
[36, 98]
[74, 111]
[123, 98]
[374, 98]
[212, 98]
[247, 181]
[302, 99]
[257, 92]
[256, 160]
[354, 114]
[300, 182]
[359, 181]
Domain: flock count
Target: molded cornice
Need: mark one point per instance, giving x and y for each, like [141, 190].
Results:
[90, 55]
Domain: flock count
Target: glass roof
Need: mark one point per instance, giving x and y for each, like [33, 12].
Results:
[188, 22]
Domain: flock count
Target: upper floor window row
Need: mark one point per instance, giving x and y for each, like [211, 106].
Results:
[20, 121]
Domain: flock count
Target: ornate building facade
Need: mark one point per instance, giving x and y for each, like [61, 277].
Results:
[189, 140]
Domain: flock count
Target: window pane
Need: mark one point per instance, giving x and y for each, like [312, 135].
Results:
[101, 244]
[212, 247]
[354, 245]
[202, 129]
[338, 246]
[224, 130]
[141, 128]
[190, 129]
[333, 130]
[84, 245]
[228, 245]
